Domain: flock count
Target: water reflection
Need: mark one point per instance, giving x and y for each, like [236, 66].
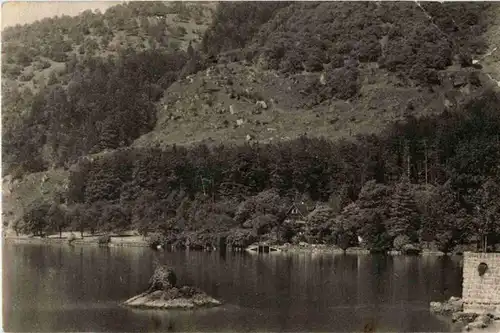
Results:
[63, 288]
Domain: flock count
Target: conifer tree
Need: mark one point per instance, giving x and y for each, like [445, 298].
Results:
[403, 214]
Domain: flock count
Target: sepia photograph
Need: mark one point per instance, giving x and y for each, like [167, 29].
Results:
[250, 166]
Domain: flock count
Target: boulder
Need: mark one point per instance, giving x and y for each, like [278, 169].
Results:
[454, 304]
[482, 321]
[261, 104]
[464, 317]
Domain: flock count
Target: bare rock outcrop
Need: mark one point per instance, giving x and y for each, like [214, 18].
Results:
[164, 293]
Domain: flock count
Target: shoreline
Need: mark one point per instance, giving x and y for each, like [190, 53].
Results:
[466, 321]
[131, 241]
[139, 241]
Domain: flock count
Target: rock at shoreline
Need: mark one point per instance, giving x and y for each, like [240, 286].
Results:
[453, 305]
[471, 321]
[482, 321]
[464, 317]
[164, 294]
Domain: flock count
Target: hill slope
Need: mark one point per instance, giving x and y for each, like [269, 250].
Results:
[329, 69]
[263, 73]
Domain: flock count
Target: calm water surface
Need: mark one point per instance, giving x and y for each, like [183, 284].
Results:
[63, 288]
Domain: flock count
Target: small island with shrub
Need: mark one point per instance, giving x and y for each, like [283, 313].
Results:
[164, 293]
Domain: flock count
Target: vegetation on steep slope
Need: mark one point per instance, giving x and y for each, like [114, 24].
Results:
[29, 48]
[101, 94]
[106, 104]
[431, 180]
[414, 41]
[427, 179]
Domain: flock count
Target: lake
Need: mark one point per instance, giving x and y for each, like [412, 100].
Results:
[62, 288]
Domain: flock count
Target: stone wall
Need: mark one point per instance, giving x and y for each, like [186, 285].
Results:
[481, 293]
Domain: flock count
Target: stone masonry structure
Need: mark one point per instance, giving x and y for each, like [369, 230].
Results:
[481, 285]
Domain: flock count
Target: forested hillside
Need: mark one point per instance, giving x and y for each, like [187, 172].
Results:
[379, 114]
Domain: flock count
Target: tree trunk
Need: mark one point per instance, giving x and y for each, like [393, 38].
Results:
[426, 163]
[81, 232]
[60, 232]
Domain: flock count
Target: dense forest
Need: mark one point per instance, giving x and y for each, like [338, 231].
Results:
[430, 181]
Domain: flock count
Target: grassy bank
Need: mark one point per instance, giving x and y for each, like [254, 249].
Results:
[114, 240]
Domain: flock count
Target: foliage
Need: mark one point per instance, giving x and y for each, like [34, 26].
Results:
[446, 220]
[99, 105]
[155, 240]
[403, 214]
[485, 206]
[18, 226]
[319, 225]
[57, 218]
[235, 24]
[104, 240]
[400, 242]
[107, 104]
[185, 189]
[339, 83]
[241, 238]
[35, 219]
[411, 40]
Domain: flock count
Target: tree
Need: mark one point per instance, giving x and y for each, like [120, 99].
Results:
[403, 214]
[486, 211]
[445, 219]
[114, 218]
[367, 214]
[319, 224]
[93, 214]
[18, 226]
[77, 219]
[57, 218]
[343, 233]
[267, 203]
[35, 219]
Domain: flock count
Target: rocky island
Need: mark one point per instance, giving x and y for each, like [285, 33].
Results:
[164, 293]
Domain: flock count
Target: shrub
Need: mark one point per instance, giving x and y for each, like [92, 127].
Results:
[104, 240]
[12, 71]
[241, 238]
[26, 76]
[42, 64]
[340, 83]
[181, 31]
[400, 242]
[156, 239]
[411, 249]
